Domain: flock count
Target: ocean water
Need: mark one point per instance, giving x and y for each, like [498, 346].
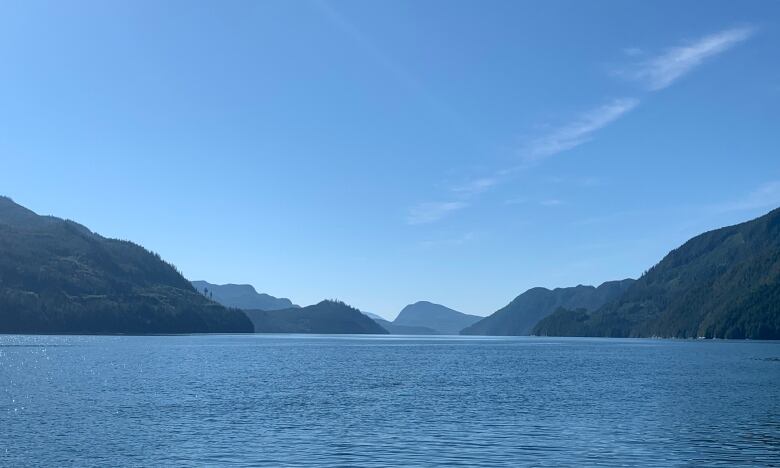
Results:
[292, 400]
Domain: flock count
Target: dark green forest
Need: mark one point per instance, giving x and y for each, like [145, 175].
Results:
[721, 284]
[526, 310]
[57, 276]
[325, 317]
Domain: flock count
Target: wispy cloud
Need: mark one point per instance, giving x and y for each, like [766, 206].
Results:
[559, 140]
[617, 217]
[588, 181]
[656, 72]
[448, 242]
[430, 212]
[663, 70]
[633, 51]
[516, 201]
[578, 131]
[551, 202]
[478, 185]
[765, 196]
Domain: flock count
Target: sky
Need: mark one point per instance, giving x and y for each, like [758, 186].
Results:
[387, 152]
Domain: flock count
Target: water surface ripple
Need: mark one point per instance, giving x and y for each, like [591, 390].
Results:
[287, 400]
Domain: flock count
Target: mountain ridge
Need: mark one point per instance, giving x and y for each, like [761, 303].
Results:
[436, 317]
[57, 276]
[242, 296]
[519, 317]
[325, 317]
[724, 283]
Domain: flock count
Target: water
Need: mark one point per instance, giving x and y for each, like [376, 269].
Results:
[272, 400]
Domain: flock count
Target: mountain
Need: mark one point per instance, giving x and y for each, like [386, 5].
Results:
[56, 276]
[327, 317]
[440, 319]
[372, 315]
[396, 329]
[526, 310]
[242, 296]
[721, 284]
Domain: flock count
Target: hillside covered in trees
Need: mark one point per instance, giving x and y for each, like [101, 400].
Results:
[326, 317]
[526, 310]
[721, 284]
[56, 276]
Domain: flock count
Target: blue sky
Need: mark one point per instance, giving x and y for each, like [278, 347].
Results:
[393, 151]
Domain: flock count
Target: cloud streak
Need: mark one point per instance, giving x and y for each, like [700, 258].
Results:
[765, 196]
[450, 242]
[577, 132]
[551, 202]
[562, 139]
[430, 212]
[478, 185]
[655, 72]
[661, 71]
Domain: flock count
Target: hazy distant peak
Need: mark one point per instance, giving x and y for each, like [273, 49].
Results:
[437, 317]
[247, 287]
[421, 303]
[372, 315]
[242, 296]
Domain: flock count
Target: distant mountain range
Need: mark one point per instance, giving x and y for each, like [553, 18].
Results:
[372, 315]
[327, 317]
[398, 329]
[395, 329]
[526, 310]
[435, 317]
[242, 296]
[721, 284]
[424, 318]
[57, 276]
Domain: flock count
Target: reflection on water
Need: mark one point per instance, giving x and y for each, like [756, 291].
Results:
[282, 400]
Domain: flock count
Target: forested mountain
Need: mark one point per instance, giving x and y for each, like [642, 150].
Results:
[526, 310]
[440, 319]
[242, 296]
[721, 284]
[326, 317]
[57, 276]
